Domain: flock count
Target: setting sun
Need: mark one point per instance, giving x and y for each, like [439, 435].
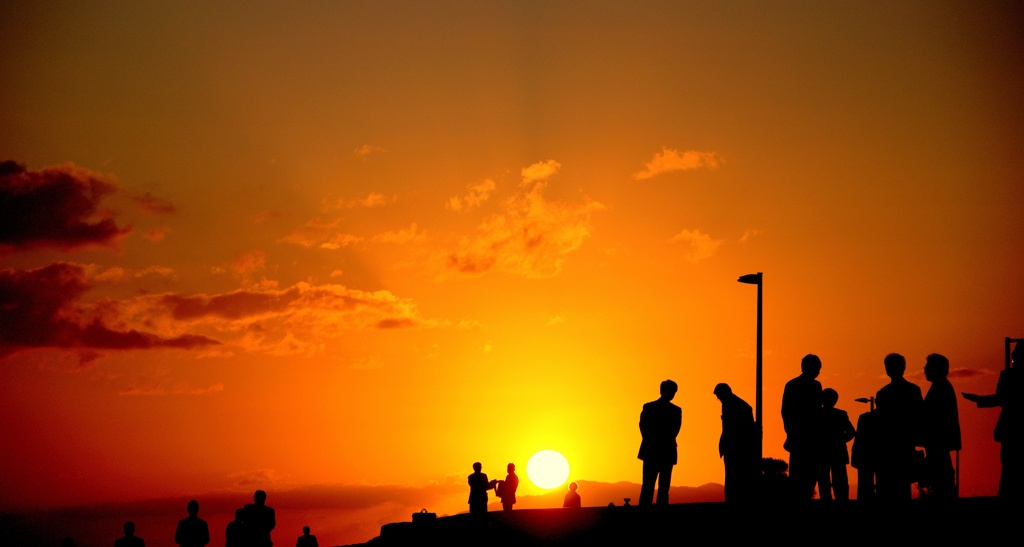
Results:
[548, 469]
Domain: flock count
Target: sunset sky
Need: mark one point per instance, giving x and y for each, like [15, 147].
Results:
[357, 246]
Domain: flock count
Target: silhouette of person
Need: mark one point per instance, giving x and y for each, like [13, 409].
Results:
[306, 539]
[1009, 431]
[478, 487]
[864, 454]
[572, 497]
[801, 418]
[259, 520]
[899, 406]
[234, 534]
[192, 531]
[940, 432]
[836, 432]
[738, 446]
[660, 421]
[129, 539]
[506, 489]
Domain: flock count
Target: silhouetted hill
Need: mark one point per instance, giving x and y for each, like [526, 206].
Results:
[972, 521]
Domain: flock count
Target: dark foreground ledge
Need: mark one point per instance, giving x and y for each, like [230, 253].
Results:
[816, 523]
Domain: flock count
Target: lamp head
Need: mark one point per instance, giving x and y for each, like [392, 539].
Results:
[750, 279]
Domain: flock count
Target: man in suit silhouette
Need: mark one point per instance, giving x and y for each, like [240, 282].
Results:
[259, 520]
[899, 404]
[801, 418]
[660, 421]
[192, 531]
[1009, 432]
[738, 446]
[941, 433]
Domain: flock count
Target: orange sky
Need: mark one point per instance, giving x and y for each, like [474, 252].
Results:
[365, 243]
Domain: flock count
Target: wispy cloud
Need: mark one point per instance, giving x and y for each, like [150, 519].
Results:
[673, 160]
[165, 389]
[367, 150]
[532, 236]
[699, 246]
[412, 234]
[476, 194]
[323, 233]
[750, 233]
[153, 204]
[56, 207]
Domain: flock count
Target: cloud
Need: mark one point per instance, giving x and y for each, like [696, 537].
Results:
[750, 233]
[247, 264]
[699, 246]
[54, 207]
[672, 160]
[476, 194]
[156, 205]
[531, 237]
[323, 233]
[401, 236]
[42, 309]
[297, 320]
[372, 200]
[967, 373]
[163, 389]
[367, 150]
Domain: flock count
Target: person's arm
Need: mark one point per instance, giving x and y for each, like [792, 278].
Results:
[983, 401]
[848, 430]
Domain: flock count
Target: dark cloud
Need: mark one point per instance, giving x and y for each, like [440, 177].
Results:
[40, 308]
[54, 207]
[966, 373]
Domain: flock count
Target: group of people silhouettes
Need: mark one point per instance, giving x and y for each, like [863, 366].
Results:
[905, 438]
[251, 528]
[504, 489]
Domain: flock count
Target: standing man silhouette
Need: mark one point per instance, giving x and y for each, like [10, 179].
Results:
[801, 418]
[306, 539]
[192, 531]
[899, 423]
[660, 421]
[1009, 432]
[506, 489]
[941, 432]
[259, 520]
[129, 539]
[478, 487]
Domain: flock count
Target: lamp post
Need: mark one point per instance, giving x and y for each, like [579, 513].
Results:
[757, 279]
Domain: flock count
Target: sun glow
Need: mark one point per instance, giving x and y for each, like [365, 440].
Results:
[547, 469]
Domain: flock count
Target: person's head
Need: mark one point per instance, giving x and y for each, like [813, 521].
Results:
[477, 467]
[895, 365]
[305, 530]
[829, 397]
[936, 367]
[193, 508]
[129, 528]
[668, 389]
[810, 365]
[511, 468]
[239, 513]
[260, 497]
[573, 486]
[722, 391]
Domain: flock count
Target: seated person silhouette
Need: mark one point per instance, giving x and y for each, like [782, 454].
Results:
[129, 539]
[572, 497]
[306, 539]
[192, 531]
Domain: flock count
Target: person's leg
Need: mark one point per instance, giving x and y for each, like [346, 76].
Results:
[647, 487]
[664, 484]
[840, 481]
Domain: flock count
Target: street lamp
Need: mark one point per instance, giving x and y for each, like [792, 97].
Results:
[757, 279]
